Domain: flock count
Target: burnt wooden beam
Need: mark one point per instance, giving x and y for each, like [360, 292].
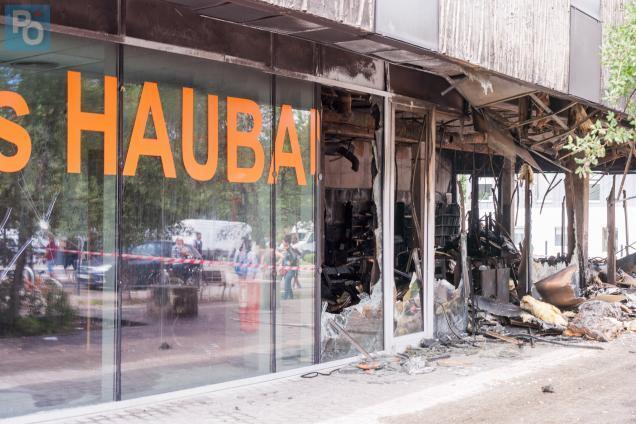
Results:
[549, 111]
[539, 118]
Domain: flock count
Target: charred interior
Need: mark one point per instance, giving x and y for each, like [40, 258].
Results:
[410, 166]
[350, 288]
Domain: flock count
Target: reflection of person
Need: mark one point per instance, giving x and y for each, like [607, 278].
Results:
[179, 250]
[245, 260]
[266, 257]
[49, 255]
[198, 243]
[294, 240]
[290, 264]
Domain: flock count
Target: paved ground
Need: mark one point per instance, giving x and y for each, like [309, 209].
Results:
[497, 383]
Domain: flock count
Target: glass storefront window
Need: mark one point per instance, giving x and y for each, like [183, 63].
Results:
[57, 229]
[196, 222]
[182, 254]
[296, 248]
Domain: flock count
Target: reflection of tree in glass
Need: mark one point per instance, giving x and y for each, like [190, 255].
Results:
[79, 203]
[153, 204]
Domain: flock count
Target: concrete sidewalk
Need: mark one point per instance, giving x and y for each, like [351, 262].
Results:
[349, 395]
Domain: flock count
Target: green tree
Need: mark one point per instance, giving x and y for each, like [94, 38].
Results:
[619, 58]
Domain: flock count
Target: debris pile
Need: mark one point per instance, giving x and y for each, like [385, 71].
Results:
[601, 313]
[597, 320]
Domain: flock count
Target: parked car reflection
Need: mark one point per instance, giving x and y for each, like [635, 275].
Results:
[146, 265]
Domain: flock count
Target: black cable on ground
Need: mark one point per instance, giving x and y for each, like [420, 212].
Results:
[315, 374]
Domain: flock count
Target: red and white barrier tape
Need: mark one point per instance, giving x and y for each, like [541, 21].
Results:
[189, 261]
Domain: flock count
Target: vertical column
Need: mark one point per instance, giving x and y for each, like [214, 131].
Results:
[388, 208]
[428, 245]
[474, 206]
[611, 233]
[527, 240]
[581, 201]
[569, 208]
[506, 205]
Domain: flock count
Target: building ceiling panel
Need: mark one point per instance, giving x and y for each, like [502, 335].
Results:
[364, 45]
[482, 89]
[198, 4]
[286, 24]
[235, 13]
[399, 56]
[329, 35]
[438, 66]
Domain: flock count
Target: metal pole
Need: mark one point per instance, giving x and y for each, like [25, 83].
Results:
[611, 234]
[626, 222]
[563, 227]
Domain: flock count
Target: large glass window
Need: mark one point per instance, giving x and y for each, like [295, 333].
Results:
[197, 207]
[295, 141]
[157, 225]
[57, 225]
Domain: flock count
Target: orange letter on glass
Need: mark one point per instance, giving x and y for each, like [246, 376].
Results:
[196, 170]
[292, 159]
[149, 103]
[242, 138]
[79, 121]
[14, 133]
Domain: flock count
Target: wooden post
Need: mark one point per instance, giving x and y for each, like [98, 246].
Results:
[581, 198]
[569, 210]
[626, 223]
[507, 206]
[611, 234]
[527, 240]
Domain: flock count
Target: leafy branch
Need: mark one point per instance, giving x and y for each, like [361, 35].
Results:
[619, 57]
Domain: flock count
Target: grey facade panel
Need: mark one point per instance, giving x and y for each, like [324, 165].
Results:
[590, 7]
[585, 56]
[412, 21]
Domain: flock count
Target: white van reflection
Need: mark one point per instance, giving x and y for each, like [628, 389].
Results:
[218, 239]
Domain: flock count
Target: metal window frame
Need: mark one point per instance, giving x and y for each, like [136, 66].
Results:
[394, 343]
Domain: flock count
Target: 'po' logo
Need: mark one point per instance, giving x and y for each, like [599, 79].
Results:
[27, 27]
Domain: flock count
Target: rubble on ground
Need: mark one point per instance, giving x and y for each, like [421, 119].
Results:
[597, 320]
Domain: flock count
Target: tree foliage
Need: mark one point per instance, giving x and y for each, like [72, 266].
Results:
[619, 58]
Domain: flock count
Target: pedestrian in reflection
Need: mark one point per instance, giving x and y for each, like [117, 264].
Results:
[289, 266]
[245, 260]
[50, 253]
[198, 243]
[266, 253]
[179, 250]
[294, 241]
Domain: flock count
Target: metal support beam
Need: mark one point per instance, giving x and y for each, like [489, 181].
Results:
[611, 234]
[626, 222]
